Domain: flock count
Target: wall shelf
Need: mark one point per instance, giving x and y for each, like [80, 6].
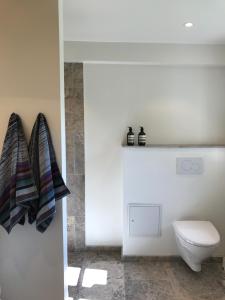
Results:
[175, 146]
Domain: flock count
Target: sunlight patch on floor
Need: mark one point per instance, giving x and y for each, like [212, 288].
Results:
[94, 276]
[72, 276]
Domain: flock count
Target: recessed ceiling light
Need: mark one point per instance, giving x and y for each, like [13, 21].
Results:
[188, 25]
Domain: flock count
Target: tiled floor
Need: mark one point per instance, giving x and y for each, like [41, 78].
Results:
[103, 276]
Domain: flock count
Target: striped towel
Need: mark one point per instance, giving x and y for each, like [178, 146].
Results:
[17, 187]
[47, 176]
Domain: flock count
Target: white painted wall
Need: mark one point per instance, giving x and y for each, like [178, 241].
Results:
[174, 104]
[145, 53]
[150, 177]
[31, 264]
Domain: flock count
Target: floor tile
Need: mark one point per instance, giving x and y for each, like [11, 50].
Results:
[114, 279]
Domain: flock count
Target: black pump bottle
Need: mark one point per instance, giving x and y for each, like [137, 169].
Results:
[142, 137]
[130, 137]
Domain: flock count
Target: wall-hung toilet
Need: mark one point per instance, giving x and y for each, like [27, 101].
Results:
[196, 241]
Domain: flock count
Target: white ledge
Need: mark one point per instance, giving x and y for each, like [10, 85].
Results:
[149, 146]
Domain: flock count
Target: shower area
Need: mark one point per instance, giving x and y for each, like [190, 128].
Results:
[97, 267]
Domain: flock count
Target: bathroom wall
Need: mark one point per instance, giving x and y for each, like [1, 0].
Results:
[144, 53]
[31, 264]
[183, 104]
[150, 177]
[74, 106]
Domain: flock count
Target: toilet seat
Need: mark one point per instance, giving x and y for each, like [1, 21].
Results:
[198, 233]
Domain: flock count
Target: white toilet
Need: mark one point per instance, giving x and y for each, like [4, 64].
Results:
[196, 241]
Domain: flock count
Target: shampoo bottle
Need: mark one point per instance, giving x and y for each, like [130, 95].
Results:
[130, 137]
[142, 137]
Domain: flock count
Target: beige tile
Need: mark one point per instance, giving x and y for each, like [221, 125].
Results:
[74, 108]
[149, 281]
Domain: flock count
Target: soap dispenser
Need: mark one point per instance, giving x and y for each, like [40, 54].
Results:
[141, 137]
[130, 137]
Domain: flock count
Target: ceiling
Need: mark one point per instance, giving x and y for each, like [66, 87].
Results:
[149, 21]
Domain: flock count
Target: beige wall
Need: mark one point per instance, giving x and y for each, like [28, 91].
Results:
[31, 264]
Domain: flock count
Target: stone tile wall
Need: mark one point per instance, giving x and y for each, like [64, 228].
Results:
[74, 106]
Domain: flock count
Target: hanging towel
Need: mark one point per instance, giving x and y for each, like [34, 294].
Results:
[47, 176]
[17, 187]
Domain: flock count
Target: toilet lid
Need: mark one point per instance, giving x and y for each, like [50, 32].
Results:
[200, 233]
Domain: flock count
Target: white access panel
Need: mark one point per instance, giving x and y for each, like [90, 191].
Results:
[144, 219]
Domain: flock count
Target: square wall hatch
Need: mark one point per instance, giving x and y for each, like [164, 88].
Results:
[144, 219]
